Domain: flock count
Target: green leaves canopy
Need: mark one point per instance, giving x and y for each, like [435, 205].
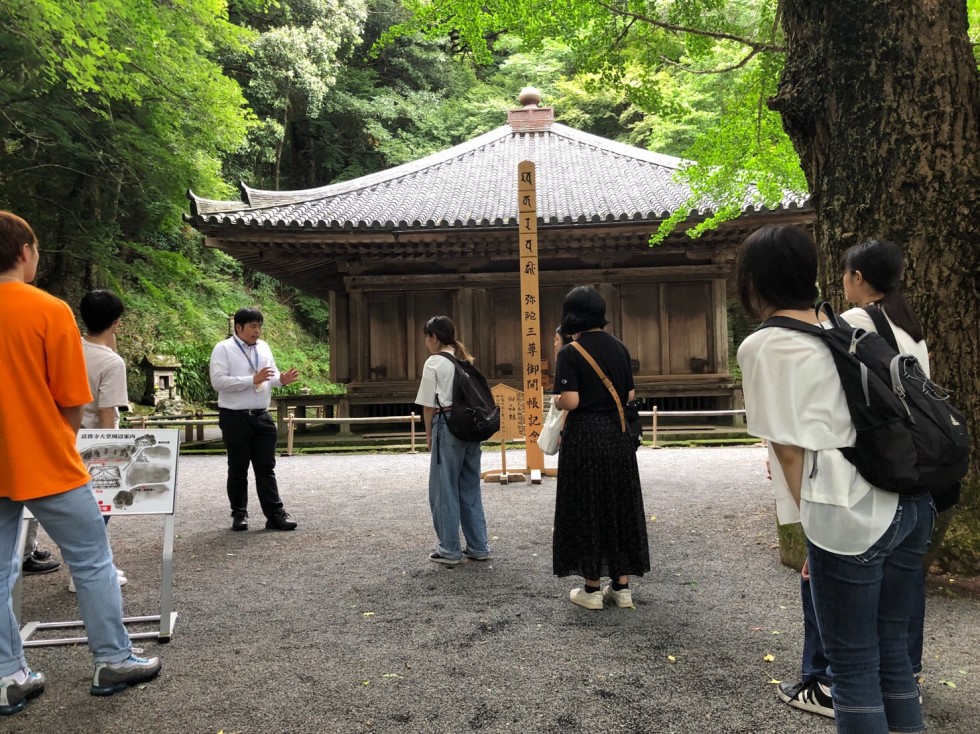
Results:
[123, 102]
[661, 62]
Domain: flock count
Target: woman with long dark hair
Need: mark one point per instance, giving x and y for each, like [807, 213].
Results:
[872, 275]
[454, 469]
[864, 545]
[600, 524]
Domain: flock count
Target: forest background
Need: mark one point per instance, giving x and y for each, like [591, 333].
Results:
[111, 110]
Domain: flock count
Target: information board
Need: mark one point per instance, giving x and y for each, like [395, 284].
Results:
[134, 472]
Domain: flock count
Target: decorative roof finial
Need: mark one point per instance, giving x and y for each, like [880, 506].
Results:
[529, 96]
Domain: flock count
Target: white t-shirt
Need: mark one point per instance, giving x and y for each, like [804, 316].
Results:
[793, 396]
[859, 318]
[437, 380]
[107, 381]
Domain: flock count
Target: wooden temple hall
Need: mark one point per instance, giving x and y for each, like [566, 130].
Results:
[439, 236]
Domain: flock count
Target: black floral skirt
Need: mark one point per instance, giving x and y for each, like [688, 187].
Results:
[600, 524]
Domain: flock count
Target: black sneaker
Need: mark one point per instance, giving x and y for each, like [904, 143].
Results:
[35, 567]
[239, 521]
[41, 554]
[280, 521]
[809, 696]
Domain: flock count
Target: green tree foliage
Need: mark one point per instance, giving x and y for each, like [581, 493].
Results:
[638, 78]
[178, 302]
[109, 111]
[287, 72]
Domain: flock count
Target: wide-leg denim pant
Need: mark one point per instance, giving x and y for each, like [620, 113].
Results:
[74, 522]
[454, 493]
[863, 605]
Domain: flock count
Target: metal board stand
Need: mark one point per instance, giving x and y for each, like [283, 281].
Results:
[114, 446]
[167, 617]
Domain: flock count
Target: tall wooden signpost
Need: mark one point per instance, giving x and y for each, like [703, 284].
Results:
[527, 215]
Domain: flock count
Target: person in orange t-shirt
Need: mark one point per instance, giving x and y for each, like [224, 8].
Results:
[41, 402]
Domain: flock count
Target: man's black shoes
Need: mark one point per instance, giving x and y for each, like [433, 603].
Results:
[33, 566]
[280, 521]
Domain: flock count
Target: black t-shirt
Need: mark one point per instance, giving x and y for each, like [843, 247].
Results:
[574, 374]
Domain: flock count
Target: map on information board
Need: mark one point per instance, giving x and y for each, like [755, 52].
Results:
[134, 472]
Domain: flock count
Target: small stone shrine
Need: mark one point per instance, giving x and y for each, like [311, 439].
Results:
[161, 379]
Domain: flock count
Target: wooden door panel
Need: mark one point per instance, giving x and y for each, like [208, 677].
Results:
[388, 359]
[688, 306]
[425, 305]
[641, 325]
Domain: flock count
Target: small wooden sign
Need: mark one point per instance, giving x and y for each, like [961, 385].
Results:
[511, 404]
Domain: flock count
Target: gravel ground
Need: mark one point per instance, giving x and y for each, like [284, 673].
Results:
[345, 626]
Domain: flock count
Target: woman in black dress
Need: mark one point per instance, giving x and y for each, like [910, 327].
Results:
[600, 524]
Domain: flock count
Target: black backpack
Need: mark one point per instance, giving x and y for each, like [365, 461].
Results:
[473, 415]
[910, 439]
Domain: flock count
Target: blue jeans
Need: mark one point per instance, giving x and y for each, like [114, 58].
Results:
[454, 493]
[863, 605]
[815, 660]
[74, 522]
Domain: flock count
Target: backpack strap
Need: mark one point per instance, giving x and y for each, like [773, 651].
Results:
[451, 358]
[784, 322]
[882, 326]
[605, 381]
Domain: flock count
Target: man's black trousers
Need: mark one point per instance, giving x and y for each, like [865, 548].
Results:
[250, 438]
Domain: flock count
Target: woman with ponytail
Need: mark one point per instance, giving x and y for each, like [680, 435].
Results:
[871, 278]
[454, 469]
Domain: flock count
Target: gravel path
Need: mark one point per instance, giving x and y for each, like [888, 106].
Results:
[345, 626]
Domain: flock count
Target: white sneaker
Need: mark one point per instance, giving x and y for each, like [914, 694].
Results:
[623, 597]
[587, 599]
[120, 577]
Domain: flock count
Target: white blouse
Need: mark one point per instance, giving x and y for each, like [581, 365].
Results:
[438, 374]
[859, 318]
[793, 396]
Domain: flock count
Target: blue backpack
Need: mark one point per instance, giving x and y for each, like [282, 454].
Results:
[910, 438]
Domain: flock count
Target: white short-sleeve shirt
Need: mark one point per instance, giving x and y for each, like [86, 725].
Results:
[859, 318]
[437, 380]
[107, 381]
[793, 396]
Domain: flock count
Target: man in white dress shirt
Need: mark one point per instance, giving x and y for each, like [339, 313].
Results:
[244, 373]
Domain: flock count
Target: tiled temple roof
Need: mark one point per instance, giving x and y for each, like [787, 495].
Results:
[582, 178]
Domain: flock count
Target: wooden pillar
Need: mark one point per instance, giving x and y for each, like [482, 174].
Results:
[413, 341]
[483, 337]
[664, 330]
[719, 332]
[466, 323]
[360, 337]
[340, 336]
[610, 295]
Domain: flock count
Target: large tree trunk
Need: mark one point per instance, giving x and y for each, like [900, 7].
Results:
[882, 101]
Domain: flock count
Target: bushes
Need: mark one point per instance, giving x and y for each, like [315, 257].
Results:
[179, 302]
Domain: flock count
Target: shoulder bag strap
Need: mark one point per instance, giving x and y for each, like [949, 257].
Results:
[605, 381]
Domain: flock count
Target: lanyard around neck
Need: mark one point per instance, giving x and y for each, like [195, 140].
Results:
[254, 366]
